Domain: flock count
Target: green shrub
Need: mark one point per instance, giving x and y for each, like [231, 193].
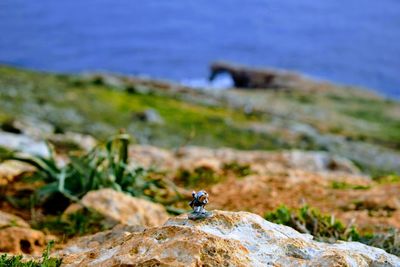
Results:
[17, 261]
[392, 178]
[200, 176]
[240, 170]
[344, 185]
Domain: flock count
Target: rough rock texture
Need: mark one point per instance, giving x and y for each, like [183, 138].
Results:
[11, 169]
[319, 162]
[21, 240]
[17, 237]
[120, 208]
[23, 143]
[261, 161]
[7, 220]
[226, 239]
[83, 141]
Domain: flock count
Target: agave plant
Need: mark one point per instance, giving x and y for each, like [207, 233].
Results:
[104, 166]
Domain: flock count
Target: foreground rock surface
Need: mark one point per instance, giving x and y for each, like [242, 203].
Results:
[120, 208]
[226, 239]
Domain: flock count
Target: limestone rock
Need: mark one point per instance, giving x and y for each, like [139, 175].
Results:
[7, 220]
[319, 162]
[17, 237]
[226, 239]
[120, 208]
[23, 143]
[83, 141]
[263, 162]
[12, 169]
[29, 126]
[149, 115]
[19, 240]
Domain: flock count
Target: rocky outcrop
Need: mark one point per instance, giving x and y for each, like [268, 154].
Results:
[17, 237]
[226, 239]
[119, 208]
[264, 162]
[245, 77]
[319, 162]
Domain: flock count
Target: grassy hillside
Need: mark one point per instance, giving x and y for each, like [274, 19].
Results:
[353, 123]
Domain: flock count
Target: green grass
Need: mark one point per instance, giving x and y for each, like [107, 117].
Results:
[344, 185]
[353, 113]
[199, 177]
[388, 126]
[95, 107]
[391, 178]
[100, 111]
[238, 169]
[17, 261]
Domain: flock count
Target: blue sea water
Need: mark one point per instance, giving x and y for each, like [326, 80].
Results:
[346, 41]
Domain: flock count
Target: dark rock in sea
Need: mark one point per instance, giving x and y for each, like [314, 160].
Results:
[246, 77]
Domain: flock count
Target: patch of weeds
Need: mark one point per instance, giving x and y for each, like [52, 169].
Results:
[310, 221]
[375, 209]
[388, 179]
[200, 176]
[389, 241]
[305, 99]
[344, 185]
[327, 229]
[337, 129]
[82, 222]
[17, 261]
[240, 170]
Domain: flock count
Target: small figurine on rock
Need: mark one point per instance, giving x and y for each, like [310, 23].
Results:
[200, 199]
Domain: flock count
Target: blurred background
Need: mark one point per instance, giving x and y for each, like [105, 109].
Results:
[349, 42]
[288, 109]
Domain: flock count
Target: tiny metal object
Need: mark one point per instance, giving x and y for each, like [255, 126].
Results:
[200, 199]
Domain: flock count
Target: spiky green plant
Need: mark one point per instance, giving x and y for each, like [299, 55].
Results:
[106, 166]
